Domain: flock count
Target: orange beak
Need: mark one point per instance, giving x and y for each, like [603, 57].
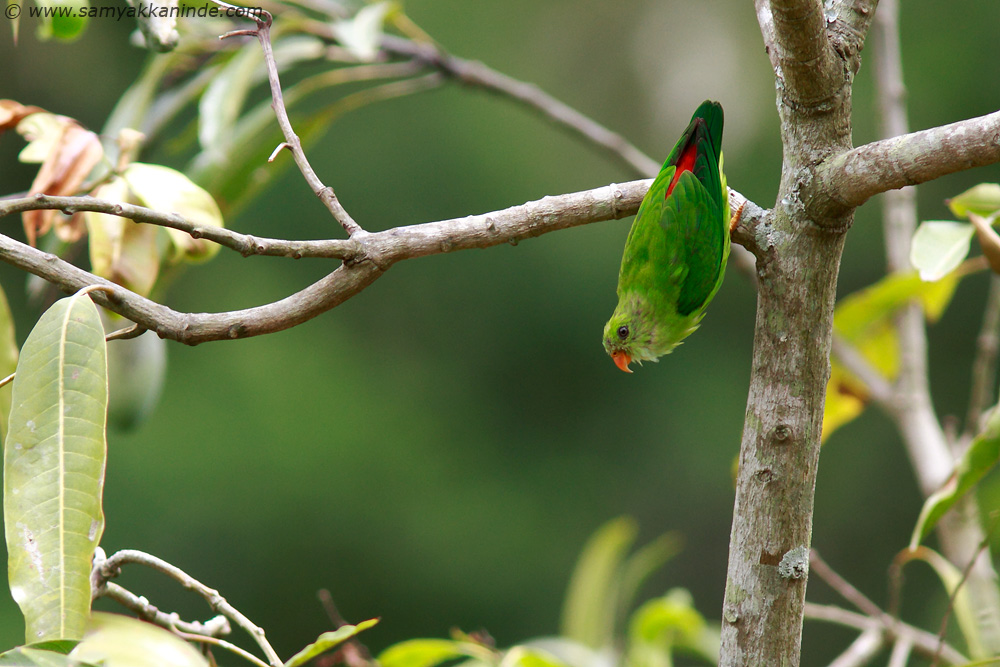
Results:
[622, 360]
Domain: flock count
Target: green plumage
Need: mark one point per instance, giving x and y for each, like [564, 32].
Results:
[675, 255]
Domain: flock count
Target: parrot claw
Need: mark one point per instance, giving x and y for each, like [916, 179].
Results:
[735, 220]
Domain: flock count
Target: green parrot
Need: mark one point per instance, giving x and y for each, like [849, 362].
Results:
[676, 252]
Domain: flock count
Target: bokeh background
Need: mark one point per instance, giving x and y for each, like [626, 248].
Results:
[437, 450]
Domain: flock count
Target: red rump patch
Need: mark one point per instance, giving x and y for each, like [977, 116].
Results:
[686, 162]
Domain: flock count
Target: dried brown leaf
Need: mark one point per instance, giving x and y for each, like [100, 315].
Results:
[73, 154]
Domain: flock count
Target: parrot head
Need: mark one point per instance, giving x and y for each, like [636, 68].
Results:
[630, 334]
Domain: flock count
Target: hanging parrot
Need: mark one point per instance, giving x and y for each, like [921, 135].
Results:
[676, 251]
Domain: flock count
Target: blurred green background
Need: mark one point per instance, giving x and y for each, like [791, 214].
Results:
[437, 450]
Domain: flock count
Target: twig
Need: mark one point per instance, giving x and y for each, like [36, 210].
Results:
[324, 192]
[966, 571]
[355, 654]
[111, 567]
[376, 253]
[923, 641]
[862, 650]
[140, 606]
[7, 380]
[221, 643]
[244, 244]
[820, 568]
[984, 367]
[126, 333]
[477, 74]
[848, 355]
[900, 652]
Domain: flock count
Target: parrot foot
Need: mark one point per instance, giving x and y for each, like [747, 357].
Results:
[735, 220]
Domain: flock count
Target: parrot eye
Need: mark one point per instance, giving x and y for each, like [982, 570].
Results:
[623, 332]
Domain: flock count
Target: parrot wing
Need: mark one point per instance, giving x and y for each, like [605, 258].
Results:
[694, 215]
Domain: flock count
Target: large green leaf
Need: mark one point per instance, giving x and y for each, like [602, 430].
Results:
[982, 199]
[526, 656]
[54, 458]
[981, 456]
[663, 625]
[113, 640]
[168, 190]
[8, 359]
[30, 656]
[939, 246]
[362, 34]
[589, 611]
[864, 319]
[432, 652]
[327, 641]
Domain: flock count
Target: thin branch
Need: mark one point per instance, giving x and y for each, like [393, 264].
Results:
[477, 74]
[849, 179]
[862, 650]
[878, 387]
[111, 567]
[222, 643]
[820, 568]
[378, 252]
[966, 572]
[244, 244]
[984, 367]
[923, 641]
[324, 192]
[354, 653]
[126, 333]
[900, 652]
[140, 606]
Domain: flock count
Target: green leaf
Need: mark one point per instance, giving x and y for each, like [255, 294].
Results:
[524, 656]
[35, 656]
[113, 640]
[846, 398]
[8, 360]
[168, 190]
[951, 577]
[431, 652]
[669, 623]
[859, 312]
[978, 459]
[589, 610]
[327, 641]
[121, 250]
[64, 20]
[362, 34]
[939, 246]
[982, 199]
[644, 562]
[864, 319]
[54, 458]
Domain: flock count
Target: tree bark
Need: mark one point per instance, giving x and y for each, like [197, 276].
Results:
[798, 259]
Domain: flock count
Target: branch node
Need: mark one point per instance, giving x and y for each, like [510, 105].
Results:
[280, 147]
[795, 563]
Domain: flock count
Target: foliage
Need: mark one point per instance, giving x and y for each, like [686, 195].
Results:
[225, 147]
